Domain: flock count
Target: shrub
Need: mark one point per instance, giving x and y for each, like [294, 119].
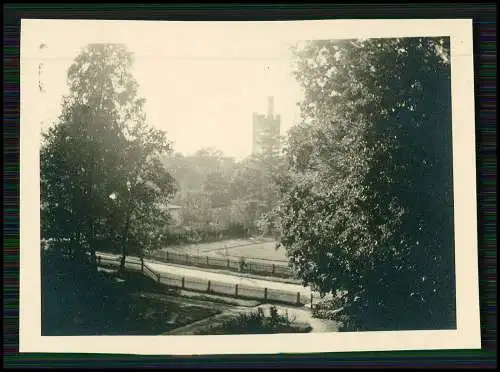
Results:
[256, 322]
[327, 308]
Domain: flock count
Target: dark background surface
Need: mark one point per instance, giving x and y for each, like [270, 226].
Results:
[484, 16]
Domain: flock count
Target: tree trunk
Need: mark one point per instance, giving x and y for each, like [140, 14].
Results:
[122, 262]
[93, 260]
[90, 235]
[92, 250]
[130, 208]
[125, 234]
[124, 245]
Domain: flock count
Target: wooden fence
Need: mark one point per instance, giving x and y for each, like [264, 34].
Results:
[232, 264]
[211, 286]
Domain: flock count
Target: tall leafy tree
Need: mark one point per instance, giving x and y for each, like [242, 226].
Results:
[80, 151]
[367, 207]
[99, 159]
[146, 189]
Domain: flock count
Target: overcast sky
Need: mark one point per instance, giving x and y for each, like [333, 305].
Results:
[202, 83]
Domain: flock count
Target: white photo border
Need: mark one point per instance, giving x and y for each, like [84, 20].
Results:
[466, 336]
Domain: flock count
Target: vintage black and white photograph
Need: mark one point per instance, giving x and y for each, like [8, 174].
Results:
[235, 180]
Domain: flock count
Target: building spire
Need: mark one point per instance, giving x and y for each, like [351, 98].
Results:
[270, 107]
[266, 129]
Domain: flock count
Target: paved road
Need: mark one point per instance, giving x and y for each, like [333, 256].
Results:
[226, 278]
[194, 273]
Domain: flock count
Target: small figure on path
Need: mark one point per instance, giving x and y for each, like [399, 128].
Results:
[243, 264]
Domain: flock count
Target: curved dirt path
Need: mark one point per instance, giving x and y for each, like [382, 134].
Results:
[300, 315]
[305, 315]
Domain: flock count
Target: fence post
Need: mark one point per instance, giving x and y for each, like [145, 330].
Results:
[208, 287]
[228, 262]
[265, 294]
[187, 258]
[166, 255]
[298, 298]
[236, 290]
[311, 300]
[142, 265]
[207, 260]
[182, 283]
[274, 268]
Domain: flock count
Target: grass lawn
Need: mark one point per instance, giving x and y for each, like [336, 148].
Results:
[220, 299]
[261, 250]
[148, 316]
[106, 306]
[265, 251]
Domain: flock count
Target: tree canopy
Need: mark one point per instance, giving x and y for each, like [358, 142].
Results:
[367, 205]
[215, 189]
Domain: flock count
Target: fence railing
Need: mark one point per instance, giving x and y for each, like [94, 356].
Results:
[211, 286]
[246, 266]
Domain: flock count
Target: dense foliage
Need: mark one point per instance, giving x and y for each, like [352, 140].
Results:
[367, 204]
[221, 197]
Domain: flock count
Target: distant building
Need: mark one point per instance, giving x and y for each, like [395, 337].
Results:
[266, 129]
[175, 213]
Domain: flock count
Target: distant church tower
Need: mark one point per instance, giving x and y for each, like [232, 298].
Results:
[266, 129]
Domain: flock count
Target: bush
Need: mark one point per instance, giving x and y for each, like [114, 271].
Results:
[327, 308]
[256, 322]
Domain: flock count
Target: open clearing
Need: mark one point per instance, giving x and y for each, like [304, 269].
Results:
[254, 249]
